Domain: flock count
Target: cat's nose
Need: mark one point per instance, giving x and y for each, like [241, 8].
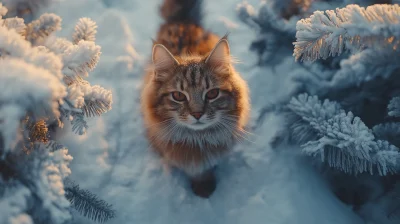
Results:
[197, 115]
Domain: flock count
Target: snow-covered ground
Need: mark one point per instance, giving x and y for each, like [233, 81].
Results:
[256, 184]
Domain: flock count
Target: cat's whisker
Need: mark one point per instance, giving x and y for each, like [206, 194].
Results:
[229, 129]
[239, 129]
[170, 131]
[169, 127]
[239, 133]
[159, 123]
[220, 127]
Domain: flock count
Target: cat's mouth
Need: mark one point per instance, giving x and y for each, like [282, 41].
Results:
[198, 125]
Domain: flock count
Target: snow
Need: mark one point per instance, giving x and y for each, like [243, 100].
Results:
[256, 184]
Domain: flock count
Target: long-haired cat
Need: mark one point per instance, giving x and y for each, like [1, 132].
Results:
[195, 105]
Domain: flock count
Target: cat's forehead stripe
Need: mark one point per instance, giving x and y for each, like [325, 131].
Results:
[185, 73]
[193, 76]
[181, 82]
[199, 76]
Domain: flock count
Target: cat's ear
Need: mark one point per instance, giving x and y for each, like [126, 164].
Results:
[220, 56]
[163, 60]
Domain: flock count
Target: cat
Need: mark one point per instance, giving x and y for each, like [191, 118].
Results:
[194, 104]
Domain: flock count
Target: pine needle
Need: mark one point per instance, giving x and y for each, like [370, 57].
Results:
[88, 204]
[95, 108]
[79, 125]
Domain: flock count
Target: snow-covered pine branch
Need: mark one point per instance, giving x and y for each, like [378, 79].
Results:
[80, 59]
[331, 32]
[85, 29]
[305, 110]
[80, 56]
[93, 100]
[39, 176]
[85, 100]
[39, 85]
[19, 97]
[342, 140]
[38, 30]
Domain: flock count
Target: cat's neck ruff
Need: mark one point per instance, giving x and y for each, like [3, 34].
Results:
[201, 138]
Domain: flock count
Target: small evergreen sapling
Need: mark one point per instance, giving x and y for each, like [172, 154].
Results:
[42, 83]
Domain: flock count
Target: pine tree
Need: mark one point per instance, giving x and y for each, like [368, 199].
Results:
[354, 129]
[42, 82]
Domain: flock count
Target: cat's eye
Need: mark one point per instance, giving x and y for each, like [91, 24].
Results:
[212, 94]
[178, 96]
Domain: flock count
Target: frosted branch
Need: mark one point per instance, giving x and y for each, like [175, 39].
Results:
[305, 110]
[341, 139]
[13, 45]
[37, 87]
[348, 145]
[97, 100]
[329, 33]
[80, 59]
[43, 172]
[58, 45]
[85, 29]
[41, 99]
[93, 100]
[312, 110]
[39, 29]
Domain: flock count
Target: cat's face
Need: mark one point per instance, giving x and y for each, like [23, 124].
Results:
[196, 98]
[194, 92]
